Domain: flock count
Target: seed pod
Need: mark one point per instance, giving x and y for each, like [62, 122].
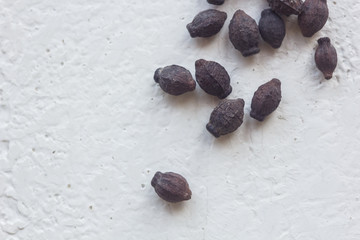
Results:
[266, 99]
[213, 78]
[244, 33]
[272, 28]
[286, 7]
[226, 117]
[326, 57]
[216, 2]
[313, 17]
[207, 23]
[171, 187]
[174, 80]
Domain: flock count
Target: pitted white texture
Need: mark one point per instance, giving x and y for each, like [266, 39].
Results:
[84, 127]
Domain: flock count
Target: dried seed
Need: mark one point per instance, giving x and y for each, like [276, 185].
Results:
[244, 33]
[272, 28]
[286, 7]
[313, 17]
[213, 78]
[226, 117]
[216, 2]
[326, 57]
[266, 99]
[207, 23]
[171, 187]
[174, 80]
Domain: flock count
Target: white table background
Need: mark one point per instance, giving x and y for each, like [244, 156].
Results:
[83, 127]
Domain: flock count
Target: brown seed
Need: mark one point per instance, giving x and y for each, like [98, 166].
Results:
[266, 99]
[174, 80]
[272, 28]
[226, 117]
[213, 78]
[313, 17]
[216, 2]
[171, 187]
[326, 57]
[286, 7]
[207, 23]
[244, 33]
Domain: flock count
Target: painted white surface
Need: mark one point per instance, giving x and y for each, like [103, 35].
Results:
[83, 127]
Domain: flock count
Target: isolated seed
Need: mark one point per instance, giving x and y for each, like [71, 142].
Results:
[272, 28]
[326, 57]
[286, 7]
[244, 33]
[171, 187]
[216, 2]
[226, 117]
[213, 78]
[313, 17]
[266, 99]
[207, 23]
[174, 80]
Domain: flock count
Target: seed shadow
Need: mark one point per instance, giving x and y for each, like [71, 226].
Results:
[294, 38]
[224, 140]
[210, 99]
[181, 100]
[174, 208]
[247, 62]
[255, 124]
[193, 98]
[317, 74]
[204, 42]
[171, 208]
[250, 126]
[291, 24]
[266, 49]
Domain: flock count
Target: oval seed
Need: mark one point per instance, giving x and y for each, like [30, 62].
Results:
[226, 117]
[207, 23]
[266, 99]
[326, 57]
[244, 33]
[171, 187]
[213, 78]
[174, 80]
[313, 17]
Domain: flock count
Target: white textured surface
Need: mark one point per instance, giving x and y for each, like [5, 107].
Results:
[83, 127]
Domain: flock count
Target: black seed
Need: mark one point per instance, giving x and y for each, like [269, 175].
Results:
[313, 17]
[244, 33]
[174, 80]
[326, 57]
[216, 2]
[207, 23]
[266, 99]
[226, 117]
[286, 7]
[213, 78]
[171, 187]
[272, 28]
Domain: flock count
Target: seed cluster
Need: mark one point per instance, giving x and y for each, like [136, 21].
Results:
[245, 35]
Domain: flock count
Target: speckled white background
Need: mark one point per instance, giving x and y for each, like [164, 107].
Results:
[83, 127]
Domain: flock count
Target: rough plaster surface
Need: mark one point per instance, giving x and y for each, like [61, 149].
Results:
[83, 127]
